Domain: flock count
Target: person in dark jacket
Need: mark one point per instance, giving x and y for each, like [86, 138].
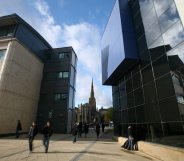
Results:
[86, 129]
[47, 133]
[74, 132]
[130, 139]
[79, 130]
[18, 128]
[32, 133]
[97, 130]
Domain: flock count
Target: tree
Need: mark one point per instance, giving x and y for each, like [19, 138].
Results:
[109, 114]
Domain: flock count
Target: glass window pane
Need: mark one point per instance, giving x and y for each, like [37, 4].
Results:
[2, 54]
[165, 87]
[152, 33]
[150, 93]
[130, 99]
[147, 74]
[161, 66]
[152, 112]
[138, 94]
[136, 80]
[168, 18]
[157, 48]
[131, 115]
[150, 18]
[162, 5]
[169, 110]
[140, 114]
[65, 74]
[129, 85]
[176, 57]
[174, 35]
[61, 55]
[60, 75]
[57, 97]
[145, 6]
[64, 96]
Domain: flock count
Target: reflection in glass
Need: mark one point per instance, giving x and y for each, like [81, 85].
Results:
[168, 18]
[174, 35]
[152, 33]
[162, 5]
[2, 54]
[145, 6]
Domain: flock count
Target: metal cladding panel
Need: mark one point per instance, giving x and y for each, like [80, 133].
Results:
[118, 43]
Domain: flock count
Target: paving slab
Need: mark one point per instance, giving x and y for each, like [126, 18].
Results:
[61, 148]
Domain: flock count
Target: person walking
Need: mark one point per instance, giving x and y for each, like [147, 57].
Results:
[103, 126]
[47, 133]
[18, 128]
[86, 129]
[79, 131]
[130, 139]
[97, 130]
[31, 135]
[74, 132]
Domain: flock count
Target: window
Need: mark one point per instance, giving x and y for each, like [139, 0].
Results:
[60, 97]
[7, 30]
[2, 53]
[62, 75]
[65, 74]
[61, 55]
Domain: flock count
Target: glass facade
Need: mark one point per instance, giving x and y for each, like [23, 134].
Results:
[118, 47]
[150, 96]
[2, 54]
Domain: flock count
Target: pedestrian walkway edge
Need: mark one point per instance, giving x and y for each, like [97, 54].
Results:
[162, 152]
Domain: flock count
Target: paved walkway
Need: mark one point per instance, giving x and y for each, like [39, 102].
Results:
[61, 148]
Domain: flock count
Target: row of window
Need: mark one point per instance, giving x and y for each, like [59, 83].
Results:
[62, 75]
[61, 55]
[60, 96]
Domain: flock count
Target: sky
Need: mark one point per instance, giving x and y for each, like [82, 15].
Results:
[76, 23]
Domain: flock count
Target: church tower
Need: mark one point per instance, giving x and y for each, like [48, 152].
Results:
[92, 104]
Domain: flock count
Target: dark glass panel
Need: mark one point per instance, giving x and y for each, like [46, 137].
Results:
[157, 48]
[138, 95]
[136, 80]
[162, 5]
[150, 93]
[155, 132]
[176, 57]
[152, 112]
[122, 90]
[123, 100]
[174, 35]
[140, 114]
[161, 66]
[131, 115]
[174, 130]
[140, 31]
[168, 18]
[145, 58]
[142, 45]
[135, 70]
[147, 74]
[130, 100]
[129, 85]
[137, 19]
[165, 86]
[169, 110]
[125, 116]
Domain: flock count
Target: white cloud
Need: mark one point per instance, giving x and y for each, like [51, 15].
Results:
[84, 37]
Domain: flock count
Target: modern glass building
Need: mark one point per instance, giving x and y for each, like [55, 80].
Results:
[36, 80]
[142, 59]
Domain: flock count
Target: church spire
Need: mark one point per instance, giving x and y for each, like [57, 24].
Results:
[92, 90]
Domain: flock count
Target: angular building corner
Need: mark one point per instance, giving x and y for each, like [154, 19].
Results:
[142, 59]
[37, 82]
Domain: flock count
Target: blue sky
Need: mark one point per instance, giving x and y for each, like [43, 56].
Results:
[77, 23]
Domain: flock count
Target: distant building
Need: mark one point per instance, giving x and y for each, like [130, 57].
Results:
[36, 81]
[87, 112]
